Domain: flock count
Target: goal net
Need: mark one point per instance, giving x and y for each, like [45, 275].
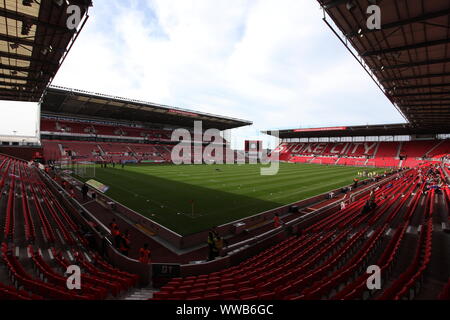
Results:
[83, 169]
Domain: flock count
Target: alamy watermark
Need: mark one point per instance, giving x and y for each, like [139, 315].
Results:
[208, 147]
[74, 18]
[374, 19]
[73, 281]
[373, 282]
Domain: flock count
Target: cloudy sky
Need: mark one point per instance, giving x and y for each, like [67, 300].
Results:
[273, 62]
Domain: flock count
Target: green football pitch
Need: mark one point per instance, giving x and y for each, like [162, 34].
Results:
[192, 198]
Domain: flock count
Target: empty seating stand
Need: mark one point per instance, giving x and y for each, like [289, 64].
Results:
[329, 259]
[378, 154]
[40, 239]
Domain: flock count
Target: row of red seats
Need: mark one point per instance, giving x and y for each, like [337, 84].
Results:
[339, 216]
[411, 149]
[410, 277]
[358, 289]
[21, 278]
[46, 272]
[340, 257]
[308, 279]
[417, 149]
[445, 293]
[46, 226]
[54, 126]
[125, 282]
[38, 201]
[112, 287]
[9, 221]
[11, 293]
[356, 263]
[51, 210]
[89, 151]
[108, 268]
[30, 232]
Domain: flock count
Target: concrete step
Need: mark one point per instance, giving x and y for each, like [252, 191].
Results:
[139, 294]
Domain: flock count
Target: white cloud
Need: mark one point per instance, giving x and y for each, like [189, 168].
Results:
[272, 62]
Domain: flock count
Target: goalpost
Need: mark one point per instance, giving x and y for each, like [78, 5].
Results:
[84, 169]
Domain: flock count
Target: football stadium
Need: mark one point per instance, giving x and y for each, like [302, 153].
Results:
[119, 198]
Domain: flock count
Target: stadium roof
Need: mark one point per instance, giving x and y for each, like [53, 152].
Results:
[65, 101]
[358, 131]
[408, 58]
[34, 41]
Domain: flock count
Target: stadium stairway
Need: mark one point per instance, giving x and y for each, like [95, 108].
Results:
[139, 294]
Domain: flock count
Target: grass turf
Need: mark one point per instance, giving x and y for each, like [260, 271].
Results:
[221, 193]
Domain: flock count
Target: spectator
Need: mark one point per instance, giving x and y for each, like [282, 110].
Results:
[355, 183]
[112, 225]
[212, 249]
[144, 254]
[115, 233]
[276, 221]
[72, 192]
[219, 245]
[372, 196]
[125, 243]
[366, 209]
[84, 191]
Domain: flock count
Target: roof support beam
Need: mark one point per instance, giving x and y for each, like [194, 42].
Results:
[430, 107]
[26, 58]
[423, 76]
[15, 77]
[23, 85]
[426, 100]
[25, 42]
[21, 16]
[32, 74]
[401, 23]
[425, 44]
[420, 94]
[11, 94]
[415, 64]
[436, 85]
[15, 68]
[438, 117]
